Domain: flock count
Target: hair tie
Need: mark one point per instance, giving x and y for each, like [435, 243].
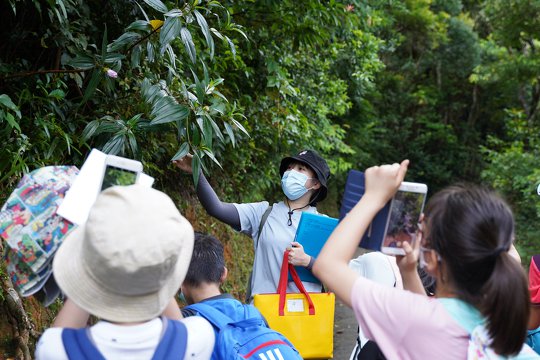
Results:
[498, 251]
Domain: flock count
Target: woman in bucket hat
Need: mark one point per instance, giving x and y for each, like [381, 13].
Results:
[304, 180]
[125, 265]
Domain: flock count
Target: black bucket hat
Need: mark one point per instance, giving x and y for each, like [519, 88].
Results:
[315, 162]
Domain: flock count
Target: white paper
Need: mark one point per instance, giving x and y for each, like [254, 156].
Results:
[86, 187]
[295, 305]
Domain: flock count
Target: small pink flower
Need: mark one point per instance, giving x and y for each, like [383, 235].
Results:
[349, 8]
[112, 74]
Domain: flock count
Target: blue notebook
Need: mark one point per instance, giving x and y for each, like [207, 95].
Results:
[354, 190]
[313, 231]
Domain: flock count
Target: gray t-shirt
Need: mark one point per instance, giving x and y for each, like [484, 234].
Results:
[275, 237]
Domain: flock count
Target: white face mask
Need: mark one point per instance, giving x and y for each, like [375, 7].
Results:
[293, 184]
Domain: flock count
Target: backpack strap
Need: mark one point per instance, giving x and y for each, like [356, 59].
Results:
[216, 317]
[173, 343]
[78, 345]
[221, 320]
[261, 224]
[264, 217]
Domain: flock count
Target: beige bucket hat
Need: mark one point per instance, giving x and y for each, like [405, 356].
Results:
[129, 259]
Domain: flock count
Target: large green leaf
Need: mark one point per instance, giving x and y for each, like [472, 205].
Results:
[170, 30]
[169, 112]
[125, 39]
[230, 132]
[188, 43]
[141, 25]
[206, 32]
[157, 5]
[6, 101]
[95, 77]
[182, 151]
[82, 61]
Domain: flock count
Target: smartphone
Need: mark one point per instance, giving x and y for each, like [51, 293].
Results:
[120, 171]
[404, 213]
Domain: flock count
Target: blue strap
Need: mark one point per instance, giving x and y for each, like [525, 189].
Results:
[78, 345]
[172, 345]
[216, 317]
[466, 315]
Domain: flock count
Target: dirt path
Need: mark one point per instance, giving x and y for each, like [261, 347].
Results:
[345, 331]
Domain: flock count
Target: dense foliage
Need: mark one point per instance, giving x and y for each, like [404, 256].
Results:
[453, 85]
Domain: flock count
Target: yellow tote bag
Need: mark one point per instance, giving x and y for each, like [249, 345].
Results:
[305, 319]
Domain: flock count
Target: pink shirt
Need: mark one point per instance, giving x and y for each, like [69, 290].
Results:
[407, 325]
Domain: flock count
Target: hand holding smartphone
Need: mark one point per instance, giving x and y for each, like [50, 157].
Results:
[396, 222]
[99, 172]
[405, 209]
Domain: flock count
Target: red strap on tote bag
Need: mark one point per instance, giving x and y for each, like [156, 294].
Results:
[282, 286]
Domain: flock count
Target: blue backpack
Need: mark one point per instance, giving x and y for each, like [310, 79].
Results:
[172, 345]
[245, 339]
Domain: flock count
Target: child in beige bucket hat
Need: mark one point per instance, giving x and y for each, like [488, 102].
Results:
[125, 266]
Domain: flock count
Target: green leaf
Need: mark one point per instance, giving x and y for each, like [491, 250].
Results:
[141, 25]
[206, 32]
[207, 132]
[199, 88]
[150, 52]
[132, 141]
[211, 156]
[230, 132]
[82, 61]
[114, 145]
[157, 5]
[92, 85]
[136, 56]
[6, 101]
[182, 151]
[57, 94]
[169, 113]
[231, 44]
[125, 39]
[240, 126]
[113, 57]
[90, 129]
[11, 121]
[174, 13]
[188, 43]
[170, 30]
[217, 131]
[196, 166]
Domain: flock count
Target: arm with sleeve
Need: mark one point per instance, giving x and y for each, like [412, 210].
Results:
[225, 212]
[407, 325]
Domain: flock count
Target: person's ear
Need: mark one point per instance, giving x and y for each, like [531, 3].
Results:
[432, 262]
[224, 275]
[316, 186]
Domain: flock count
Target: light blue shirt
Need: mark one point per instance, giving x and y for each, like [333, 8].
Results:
[275, 237]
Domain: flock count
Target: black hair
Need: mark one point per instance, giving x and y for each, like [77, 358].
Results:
[207, 262]
[472, 230]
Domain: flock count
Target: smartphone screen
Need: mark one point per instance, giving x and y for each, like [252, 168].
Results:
[117, 176]
[405, 212]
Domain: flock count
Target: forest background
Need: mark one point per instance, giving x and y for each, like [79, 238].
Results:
[451, 85]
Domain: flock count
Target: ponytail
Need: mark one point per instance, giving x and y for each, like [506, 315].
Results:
[505, 304]
[472, 228]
